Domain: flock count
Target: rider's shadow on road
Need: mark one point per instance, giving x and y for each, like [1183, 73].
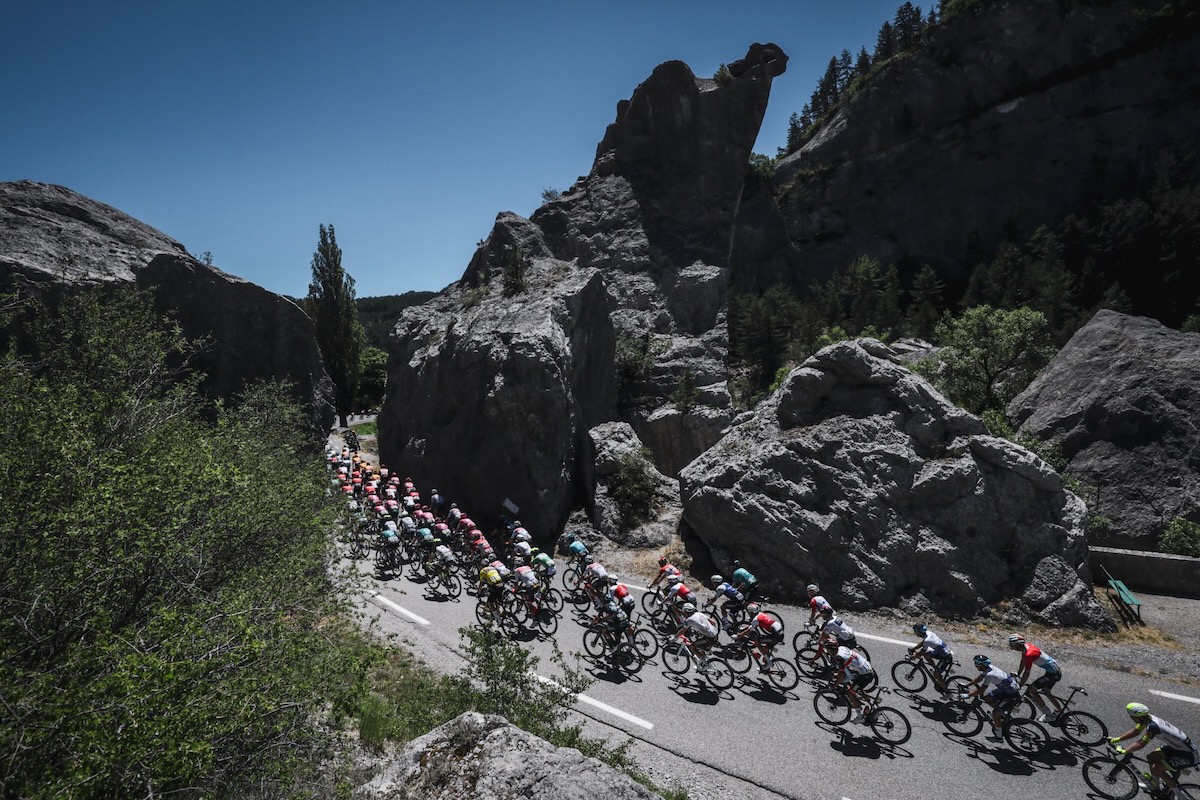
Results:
[1006, 761]
[765, 692]
[698, 691]
[608, 672]
[865, 746]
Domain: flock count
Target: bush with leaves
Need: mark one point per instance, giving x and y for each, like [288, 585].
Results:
[633, 486]
[161, 564]
[1181, 538]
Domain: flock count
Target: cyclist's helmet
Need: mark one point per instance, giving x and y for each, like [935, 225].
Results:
[920, 629]
[436, 540]
[736, 563]
[674, 578]
[753, 608]
[1016, 640]
[570, 537]
[533, 551]
[813, 588]
[689, 608]
[716, 580]
[662, 561]
[612, 580]
[827, 613]
[982, 662]
[454, 505]
[1137, 710]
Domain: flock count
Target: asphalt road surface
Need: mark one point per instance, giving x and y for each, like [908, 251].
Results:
[771, 744]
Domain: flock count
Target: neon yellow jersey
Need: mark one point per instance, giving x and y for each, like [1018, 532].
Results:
[490, 576]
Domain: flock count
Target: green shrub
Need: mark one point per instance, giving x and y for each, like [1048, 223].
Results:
[1181, 538]
[723, 76]
[514, 273]
[633, 486]
[685, 394]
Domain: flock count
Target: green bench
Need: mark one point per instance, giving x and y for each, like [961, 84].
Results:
[1125, 601]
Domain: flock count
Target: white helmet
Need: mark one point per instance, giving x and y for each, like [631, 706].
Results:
[674, 578]
[689, 608]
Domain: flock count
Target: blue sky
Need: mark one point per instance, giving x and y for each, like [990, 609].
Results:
[239, 127]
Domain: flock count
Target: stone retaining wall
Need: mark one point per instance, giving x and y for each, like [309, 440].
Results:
[1156, 573]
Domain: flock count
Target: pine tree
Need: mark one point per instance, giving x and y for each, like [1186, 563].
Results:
[907, 25]
[885, 43]
[845, 71]
[863, 64]
[330, 303]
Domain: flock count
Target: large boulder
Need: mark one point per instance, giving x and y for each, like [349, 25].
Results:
[53, 240]
[492, 390]
[490, 397]
[1009, 116]
[484, 757]
[858, 475]
[619, 456]
[1120, 400]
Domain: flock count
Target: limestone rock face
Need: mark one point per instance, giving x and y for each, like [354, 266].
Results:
[483, 757]
[53, 239]
[1014, 114]
[493, 401]
[859, 476]
[1121, 401]
[491, 395]
[610, 443]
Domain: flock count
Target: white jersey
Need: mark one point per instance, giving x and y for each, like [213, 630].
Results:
[702, 624]
[1168, 735]
[932, 643]
[855, 662]
[835, 627]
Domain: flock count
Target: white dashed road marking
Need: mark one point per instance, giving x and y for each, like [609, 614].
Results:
[605, 707]
[1170, 696]
[401, 610]
[881, 639]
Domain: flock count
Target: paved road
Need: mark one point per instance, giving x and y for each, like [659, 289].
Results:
[774, 741]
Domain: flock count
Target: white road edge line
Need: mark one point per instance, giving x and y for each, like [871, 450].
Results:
[881, 639]
[591, 701]
[401, 610]
[1170, 696]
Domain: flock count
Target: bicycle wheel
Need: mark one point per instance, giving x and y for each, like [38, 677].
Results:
[1189, 790]
[580, 600]
[483, 615]
[958, 684]
[547, 621]
[1110, 778]
[801, 640]
[1024, 710]
[676, 657]
[628, 659]
[650, 602]
[810, 670]
[646, 643]
[860, 647]
[1026, 736]
[962, 718]
[909, 675]
[594, 643]
[832, 706]
[739, 658]
[718, 673]
[452, 584]
[890, 725]
[553, 599]
[783, 674]
[1083, 728]
[571, 578]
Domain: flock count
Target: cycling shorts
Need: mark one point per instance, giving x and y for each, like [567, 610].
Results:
[864, 680]
[495, 593]
[1047, 680]
[1178, 759]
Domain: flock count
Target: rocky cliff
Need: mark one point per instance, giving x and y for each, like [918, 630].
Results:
[494, 386]
[1012, 115]
[859, 476]
[52, 239]
[1120, 400]
[485, 758]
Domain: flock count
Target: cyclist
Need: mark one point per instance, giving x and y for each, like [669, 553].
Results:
[934, 649]
[998, 688]
[856, 673]
[1031, 654]
[704, 630]
[543, 564]
[453, 516]
[491, 587]
[764, 631]
[444, 554]
[595, 580]
[743, 581]
[1177, 753]
[437, 502]
[622, 595]
[577, 550]
[834, 633]
[678, 594]
[665, 570]
[733, 599]
[614, 618]
[528, 580]
[816, 603]
[521, 552]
